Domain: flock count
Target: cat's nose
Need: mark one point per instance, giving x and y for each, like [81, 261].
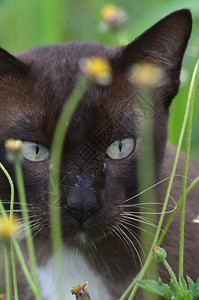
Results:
[81, 214]
[81, 204]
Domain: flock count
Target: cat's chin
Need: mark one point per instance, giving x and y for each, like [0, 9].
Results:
[78, 240]
[83, 240]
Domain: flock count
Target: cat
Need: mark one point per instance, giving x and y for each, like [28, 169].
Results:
[96, 186]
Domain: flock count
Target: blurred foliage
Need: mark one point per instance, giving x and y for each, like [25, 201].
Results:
[27, 23]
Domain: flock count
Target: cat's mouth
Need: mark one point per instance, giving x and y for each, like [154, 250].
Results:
[84, 238]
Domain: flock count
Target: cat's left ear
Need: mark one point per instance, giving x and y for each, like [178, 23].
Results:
[10, 65]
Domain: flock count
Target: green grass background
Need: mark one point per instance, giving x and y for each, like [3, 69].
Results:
[27, 23]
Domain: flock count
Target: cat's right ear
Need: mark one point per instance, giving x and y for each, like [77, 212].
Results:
[163, 44]
[10, 65]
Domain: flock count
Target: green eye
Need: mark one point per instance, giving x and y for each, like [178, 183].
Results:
[34, 151]
[121, 148]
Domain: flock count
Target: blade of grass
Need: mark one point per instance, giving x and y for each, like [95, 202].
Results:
[191, 96]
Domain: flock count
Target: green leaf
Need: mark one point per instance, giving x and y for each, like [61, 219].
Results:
[173, 289]
[183, 284]
[195, 291]
[191, 283]
[186, 295]
[197, 285]
[159, 288]
[195, 297]
[175, 298]
[194, 288]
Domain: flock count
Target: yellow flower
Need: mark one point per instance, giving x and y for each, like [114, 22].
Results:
[9, 227]
[146, 74]
[97, 69]
[13, 145]
[13, 148]
[109, 11]
[112, 16]
[80, 291]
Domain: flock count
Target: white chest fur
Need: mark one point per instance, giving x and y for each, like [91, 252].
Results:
[76, 271]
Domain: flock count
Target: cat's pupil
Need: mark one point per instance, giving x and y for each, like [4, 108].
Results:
[120, 145]
[37, 148]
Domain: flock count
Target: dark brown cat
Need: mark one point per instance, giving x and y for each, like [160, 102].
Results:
[95, 184]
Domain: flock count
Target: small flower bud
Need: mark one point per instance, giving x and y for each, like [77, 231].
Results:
[159, 253]
[13, 148]
[80, 291]
[97, 69]
[9, 227]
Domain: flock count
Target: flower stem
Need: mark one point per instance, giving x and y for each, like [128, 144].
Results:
[54, 179]
[7, 268]
[11, 216]
[23, 266]
[11, 188]
[30, 245]
[191, 97]
[172, 276]
[2, 209]
[14, 274]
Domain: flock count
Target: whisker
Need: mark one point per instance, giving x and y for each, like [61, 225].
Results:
[117, 231]
[154, 185]
[150, 210]
[138, 227]
[130, 241]
[140, 219]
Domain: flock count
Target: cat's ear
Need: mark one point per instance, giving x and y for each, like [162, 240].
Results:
[10, 65]
[163, 44]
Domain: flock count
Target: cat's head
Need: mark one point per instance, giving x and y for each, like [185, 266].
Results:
[99, 167]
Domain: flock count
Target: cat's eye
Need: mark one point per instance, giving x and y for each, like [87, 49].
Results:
[34, 151]
[121, 148]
